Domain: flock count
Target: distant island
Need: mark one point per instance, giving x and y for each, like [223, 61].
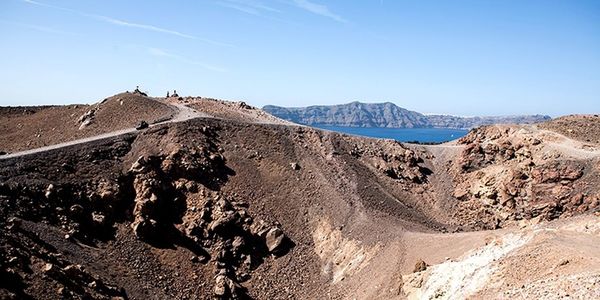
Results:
[387, 115]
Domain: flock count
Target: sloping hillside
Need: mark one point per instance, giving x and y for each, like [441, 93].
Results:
[239, 111]
[23, 128]
[387, 115]
[353, 114]
[240, 208]
[585, 128]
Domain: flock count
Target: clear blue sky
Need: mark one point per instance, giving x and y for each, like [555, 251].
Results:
[456, 57]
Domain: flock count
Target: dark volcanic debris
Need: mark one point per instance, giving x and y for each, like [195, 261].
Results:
[245, 207]
[149, 195]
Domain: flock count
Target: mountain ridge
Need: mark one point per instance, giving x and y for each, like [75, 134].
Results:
[388, 115]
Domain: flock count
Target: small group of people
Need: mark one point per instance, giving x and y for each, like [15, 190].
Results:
[172, 95]
[137, 91]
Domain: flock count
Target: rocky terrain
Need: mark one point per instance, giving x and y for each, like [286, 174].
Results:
[24, 128]
[229, 110]
[387, 115]
[523, 173]
[238, 204]
[585, 128]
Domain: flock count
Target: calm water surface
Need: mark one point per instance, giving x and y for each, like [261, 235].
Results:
[423, 135]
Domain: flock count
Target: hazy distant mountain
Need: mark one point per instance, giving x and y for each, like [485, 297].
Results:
[356, 114]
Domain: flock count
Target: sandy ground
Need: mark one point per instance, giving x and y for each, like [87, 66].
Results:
[544, 261]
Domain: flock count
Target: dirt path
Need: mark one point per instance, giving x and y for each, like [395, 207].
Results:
[444, 152]
[568, 146]
[554, 140]
[183, 113]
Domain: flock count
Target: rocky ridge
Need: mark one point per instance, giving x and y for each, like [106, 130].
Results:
[516, 175]
[25, 128]
[387, 115]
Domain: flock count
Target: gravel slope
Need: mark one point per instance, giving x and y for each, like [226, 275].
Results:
[23, 128]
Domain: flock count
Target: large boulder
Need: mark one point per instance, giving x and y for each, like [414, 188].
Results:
[420, 266]
[274, 239]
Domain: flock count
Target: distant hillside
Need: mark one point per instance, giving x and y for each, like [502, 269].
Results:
[446, 121]
[388, 115]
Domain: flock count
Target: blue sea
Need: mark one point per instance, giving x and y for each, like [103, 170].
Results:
[422, 135]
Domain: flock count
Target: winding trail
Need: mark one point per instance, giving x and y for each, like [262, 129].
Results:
[183, 113]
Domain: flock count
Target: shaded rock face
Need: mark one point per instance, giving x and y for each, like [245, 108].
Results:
[221, 231]
[499, 180]
[84, 210]
[156, 204]
[146, 186]
[157, 200]
[393, 160]
[238, 242]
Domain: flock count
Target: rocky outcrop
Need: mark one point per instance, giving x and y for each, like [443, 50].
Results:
[478, 154]
[153, 197]
[387, 115]
[420, 266]
[86, 119]
[238, 242]
[221, 231]
[75, 274]
[393, 160]
[504, 174]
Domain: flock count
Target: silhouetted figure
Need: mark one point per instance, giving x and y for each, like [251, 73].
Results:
[167, 94]
[174, 94]
[138, 92]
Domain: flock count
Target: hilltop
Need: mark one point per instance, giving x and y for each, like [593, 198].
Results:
[24, 128]
[585, 128]
[388, 115]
